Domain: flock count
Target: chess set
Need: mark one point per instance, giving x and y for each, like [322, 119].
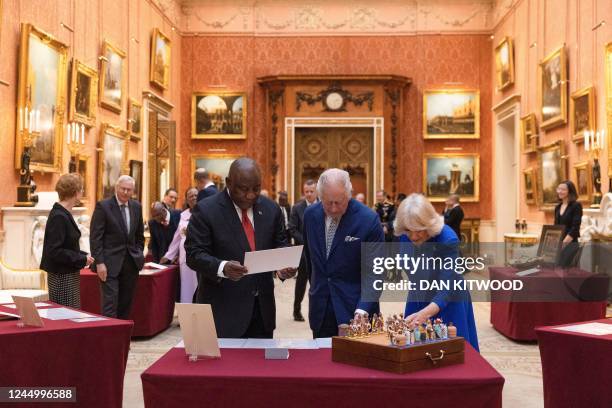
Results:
[396, 346]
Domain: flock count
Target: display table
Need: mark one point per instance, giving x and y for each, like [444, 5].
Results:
[242, 377]
[575, 367]
[515, 315]
[89, 356]
[153, 305]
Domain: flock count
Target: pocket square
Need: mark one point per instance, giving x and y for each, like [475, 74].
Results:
[348, 238]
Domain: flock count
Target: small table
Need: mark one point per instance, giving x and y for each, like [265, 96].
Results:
[90, 356]
[154, 297]
[519, 244]
[309, 378]
[575, 367]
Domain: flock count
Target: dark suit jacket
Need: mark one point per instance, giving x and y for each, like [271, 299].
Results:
[61, 251]
[161, 236]
[296, 222]
[207, 192]
[338, 277]
[453, 218]
[571, 219]
[215, 234]
[109, 242]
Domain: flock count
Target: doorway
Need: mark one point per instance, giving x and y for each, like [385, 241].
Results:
[506, 172]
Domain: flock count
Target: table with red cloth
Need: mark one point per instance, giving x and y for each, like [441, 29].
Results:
[309, 378]
[575, 367]
[516, 315]
[153, 304]
[90, 356]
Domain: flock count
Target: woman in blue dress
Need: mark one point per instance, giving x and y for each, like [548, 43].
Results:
[423, 235]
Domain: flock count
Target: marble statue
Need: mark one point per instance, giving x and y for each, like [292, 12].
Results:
[38, 237]
[83, 224]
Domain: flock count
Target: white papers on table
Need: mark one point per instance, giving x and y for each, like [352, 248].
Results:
[597, 329]
[273, 259]
[37, 304]
[528, 272]
[280, 343]
[148, 272]
[324, 342]
[231, 343]
[89, 319]
[62, 313]
[153, 265]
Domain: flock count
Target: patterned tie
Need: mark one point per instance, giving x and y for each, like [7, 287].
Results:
[329, 237]
[248, 229]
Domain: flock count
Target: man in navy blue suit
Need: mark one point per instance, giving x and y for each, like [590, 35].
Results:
[334, 230]
[206, 188]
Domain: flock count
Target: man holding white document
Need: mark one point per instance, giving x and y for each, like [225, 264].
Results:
[221, 230]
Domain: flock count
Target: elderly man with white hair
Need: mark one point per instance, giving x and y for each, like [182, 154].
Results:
[117, 244]
[334, 230]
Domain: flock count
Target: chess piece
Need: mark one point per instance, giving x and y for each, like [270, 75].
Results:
[343, 330]
[399, 340]
[452, 330]
[444, 331]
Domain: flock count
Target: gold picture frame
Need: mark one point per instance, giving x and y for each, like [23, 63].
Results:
[584, 181]
[134, 119]
[112, 77]
[159, 72]
[83, 170]
[112, 160]
[608, 98]
[83, 94]
[583, 114]
[552, 170]
[451, 173]
[216, 164]
[530, 138]
[530, 180]
[504, 64]
[211, 117]
[451, 114]
[42, 58]
[552, 89]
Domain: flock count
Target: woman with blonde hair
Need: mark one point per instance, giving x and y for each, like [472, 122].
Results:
[424, 235]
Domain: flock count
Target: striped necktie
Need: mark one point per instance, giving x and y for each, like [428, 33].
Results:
[329, 236]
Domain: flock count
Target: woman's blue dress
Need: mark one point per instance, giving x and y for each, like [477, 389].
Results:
[455, 306]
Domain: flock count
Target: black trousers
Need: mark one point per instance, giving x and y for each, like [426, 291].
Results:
[117, 292]
[303, 277]
[257, 329]
[329, 327]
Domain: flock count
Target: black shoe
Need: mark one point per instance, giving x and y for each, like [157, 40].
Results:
[297, 316]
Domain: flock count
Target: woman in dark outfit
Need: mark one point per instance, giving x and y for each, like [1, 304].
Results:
[569, 214]
[62, 258]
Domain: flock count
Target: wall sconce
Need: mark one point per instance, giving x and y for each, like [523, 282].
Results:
[75, 139]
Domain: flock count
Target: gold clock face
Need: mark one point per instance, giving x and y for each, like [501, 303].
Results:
[334, 101]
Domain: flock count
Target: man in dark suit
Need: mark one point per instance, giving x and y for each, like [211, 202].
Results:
[170, 198]
[334, 230]
[162, 226]
[296, 229]
[220, 231]
[453, 214]
[117, 244]
[204, 184]
[283, 203]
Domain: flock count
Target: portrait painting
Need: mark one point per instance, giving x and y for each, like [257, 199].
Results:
[112, 160]
[451, 114]
[112, 77]
[219, 115]
[445, 174]
[529, 134]
[583, 180]
[582, 113]
[553, 89]
[82, 170]
[83, 94]
[136, 174]
[530, 179]
[134, 119]
[160, 59]
[552, 171]
[504, 64]
[217, 166]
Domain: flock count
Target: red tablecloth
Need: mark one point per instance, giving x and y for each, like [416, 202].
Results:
[243, 378]
[153, 305]
[575, 368]
[518, 319]
[89, 356]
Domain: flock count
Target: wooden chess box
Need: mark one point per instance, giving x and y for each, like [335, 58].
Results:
[376, 352]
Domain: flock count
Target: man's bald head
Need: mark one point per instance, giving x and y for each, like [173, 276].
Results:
[244, 182]
[158, 212]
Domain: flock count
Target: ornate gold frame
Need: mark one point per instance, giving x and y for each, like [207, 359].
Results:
[552, 146]
[90, 118]
[562, 118]
[608, 98]
[476, 134]
[590, 93]
[24, 90]
[135, 137]
[498, 68]
[119, 133]
[107, 46]
[85, 174]
[530, 138]
[585, 165]
[531, 173]
[466, 199]
[195, 135]
[166, 82]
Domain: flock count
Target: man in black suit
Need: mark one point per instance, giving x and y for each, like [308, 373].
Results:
[296, 228]
[283, 203]
[453, 214]
[170, 198]
[204, 184]
[162, 226]
[235, 221]
[117, 244]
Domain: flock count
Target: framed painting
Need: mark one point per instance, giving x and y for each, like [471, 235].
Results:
[217, 166]
[582, 113]
[82, 170]
[83, 94]
[553, 89]
[584, 181]
[552, 171]
[531, 186]
[134, 125]
[136, 174]
[112, 77]
[218, 115]
[504, 64]
[550, 243]
[529, 134]
[41, 98]
[160, 59]
[608, 96]
[446, 174]
[451, 114]
[112, 161]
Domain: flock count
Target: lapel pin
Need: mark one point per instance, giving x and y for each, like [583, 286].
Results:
[259, 212]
